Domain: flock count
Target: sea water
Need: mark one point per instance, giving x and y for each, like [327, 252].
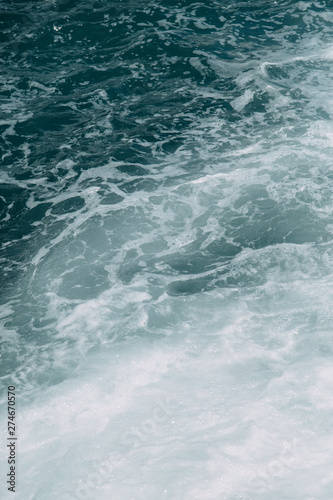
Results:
[166, 248]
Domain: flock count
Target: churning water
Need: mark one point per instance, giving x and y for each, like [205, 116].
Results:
[166, 248]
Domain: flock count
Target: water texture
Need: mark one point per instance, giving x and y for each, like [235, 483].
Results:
[166, 208]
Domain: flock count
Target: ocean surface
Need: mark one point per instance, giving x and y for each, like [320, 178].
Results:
[166, 258]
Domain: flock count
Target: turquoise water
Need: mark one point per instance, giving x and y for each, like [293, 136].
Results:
[166, 248]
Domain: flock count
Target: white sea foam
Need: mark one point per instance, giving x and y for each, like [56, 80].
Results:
[168, 321]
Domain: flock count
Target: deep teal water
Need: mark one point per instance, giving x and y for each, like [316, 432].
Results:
[166, 248]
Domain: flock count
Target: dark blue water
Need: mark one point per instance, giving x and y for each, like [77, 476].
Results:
[166, 248]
